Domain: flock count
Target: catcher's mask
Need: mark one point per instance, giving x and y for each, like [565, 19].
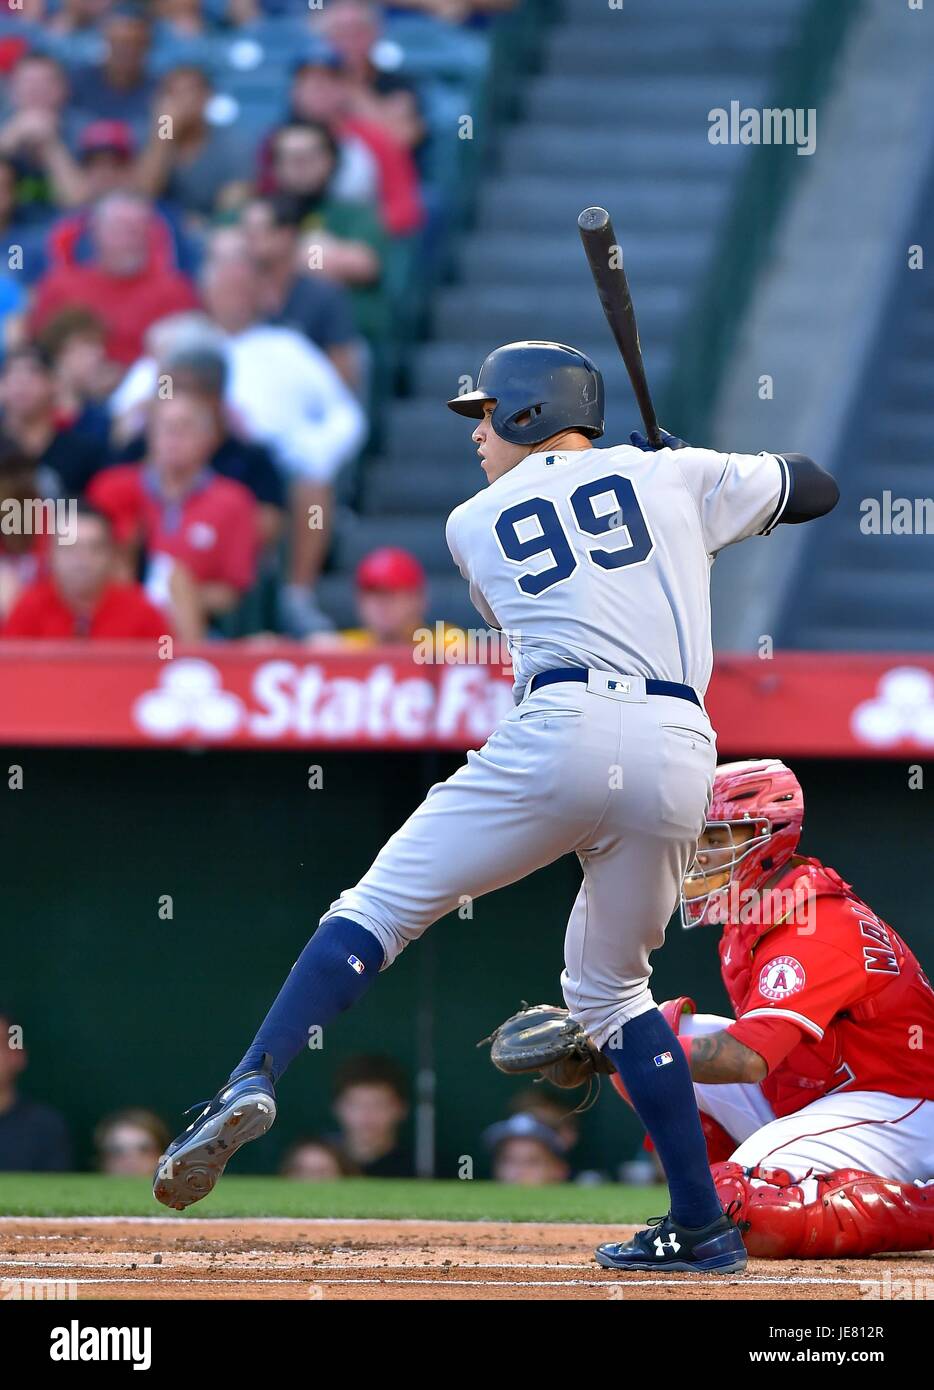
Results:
[537, 390]
[764, 796]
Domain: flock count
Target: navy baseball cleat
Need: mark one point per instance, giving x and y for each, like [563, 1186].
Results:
[243, 1110]
[714, 1249]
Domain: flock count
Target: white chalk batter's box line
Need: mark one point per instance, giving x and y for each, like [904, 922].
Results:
[143, 1260]
[169, 1271]
[181, 1221]
[623, 1282]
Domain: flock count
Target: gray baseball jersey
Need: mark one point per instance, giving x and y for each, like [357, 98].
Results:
[601, 557]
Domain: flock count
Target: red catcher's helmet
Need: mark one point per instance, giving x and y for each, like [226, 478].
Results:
[767, 794]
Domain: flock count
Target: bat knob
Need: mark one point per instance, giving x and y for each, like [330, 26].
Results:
[593, 220]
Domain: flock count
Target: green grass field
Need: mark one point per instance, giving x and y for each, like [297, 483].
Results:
[90, 1194]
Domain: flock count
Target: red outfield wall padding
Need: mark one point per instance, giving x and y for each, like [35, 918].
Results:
[122, 694]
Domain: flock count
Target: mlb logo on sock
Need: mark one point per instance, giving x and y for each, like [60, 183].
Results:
[662, 1059]
[356, 963]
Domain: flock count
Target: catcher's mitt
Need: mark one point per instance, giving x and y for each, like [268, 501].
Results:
[545, 1039]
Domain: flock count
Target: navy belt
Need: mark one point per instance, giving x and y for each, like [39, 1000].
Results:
[580, 673]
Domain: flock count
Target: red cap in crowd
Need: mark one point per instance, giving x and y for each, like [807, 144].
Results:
[390, 569]
[106, 135]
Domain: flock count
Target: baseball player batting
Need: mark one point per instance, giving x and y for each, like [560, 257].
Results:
[595, 564]
[817, 1097]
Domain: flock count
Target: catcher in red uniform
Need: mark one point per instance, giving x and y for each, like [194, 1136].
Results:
[818, 1097]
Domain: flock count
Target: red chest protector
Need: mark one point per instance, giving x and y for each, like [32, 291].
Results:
[867, 1043]
[739, 939]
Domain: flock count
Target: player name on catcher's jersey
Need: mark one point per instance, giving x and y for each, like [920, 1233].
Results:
[601, 557]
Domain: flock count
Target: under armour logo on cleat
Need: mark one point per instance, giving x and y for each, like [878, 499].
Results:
[671, 1244]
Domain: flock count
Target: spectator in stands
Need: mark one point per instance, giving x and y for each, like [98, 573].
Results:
[371, 1103]
[120, 87]
[250, 11]
[344, 239]
[391, 597]
[12, 313]
[129, 1143]
[526, 1152]
[289, 397]
[375, 92]
[202, 371]
[198, 166]
[21, 227]
[106, 165]
[37, 128]
[372, 165]
[29, 416]
[180, 19]
[551, 1109]
[22, 237]
[290, 294]
[33, 1137]
[75, 18]
[197, 533]
[455, 11]
[22, 549]
[74, 343]
[107, 152]
[84, 594]
[130, 282]
[316, 1160]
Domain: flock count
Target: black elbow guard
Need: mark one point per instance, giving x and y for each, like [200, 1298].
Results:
[812, 492]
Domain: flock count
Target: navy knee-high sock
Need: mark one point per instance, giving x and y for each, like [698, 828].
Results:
[662, 1095]
[335, 969]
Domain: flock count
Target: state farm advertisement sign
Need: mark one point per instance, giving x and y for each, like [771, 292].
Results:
[124, 695]
[279, 697]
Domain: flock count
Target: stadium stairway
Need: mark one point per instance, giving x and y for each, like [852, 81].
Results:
[865, 590]
[846, 332]
[597, 124]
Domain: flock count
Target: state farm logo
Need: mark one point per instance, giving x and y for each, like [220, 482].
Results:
[903, 709]
[190, 700]
[286, 700]
[780, 977]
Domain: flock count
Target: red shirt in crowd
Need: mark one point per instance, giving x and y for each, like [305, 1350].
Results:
[123, 610]
[400, 198]
[128, 304]
[213, 531]
[831, 999]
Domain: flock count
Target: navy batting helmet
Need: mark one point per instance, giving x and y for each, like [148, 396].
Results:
[558, 388]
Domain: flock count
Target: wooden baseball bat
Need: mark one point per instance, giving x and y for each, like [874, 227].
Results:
[605, 258]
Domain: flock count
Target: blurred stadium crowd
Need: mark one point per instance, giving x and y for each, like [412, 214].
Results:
[534, 1145]
[221, 222]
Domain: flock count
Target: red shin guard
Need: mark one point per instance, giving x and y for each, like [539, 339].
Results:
[852, 1214]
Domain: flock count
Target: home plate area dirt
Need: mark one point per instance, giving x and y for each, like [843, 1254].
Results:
[275, 1259]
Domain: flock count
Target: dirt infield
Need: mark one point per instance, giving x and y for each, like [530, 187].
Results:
[275, 1259]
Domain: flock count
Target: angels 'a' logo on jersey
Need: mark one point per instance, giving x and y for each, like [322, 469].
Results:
[781, 977]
